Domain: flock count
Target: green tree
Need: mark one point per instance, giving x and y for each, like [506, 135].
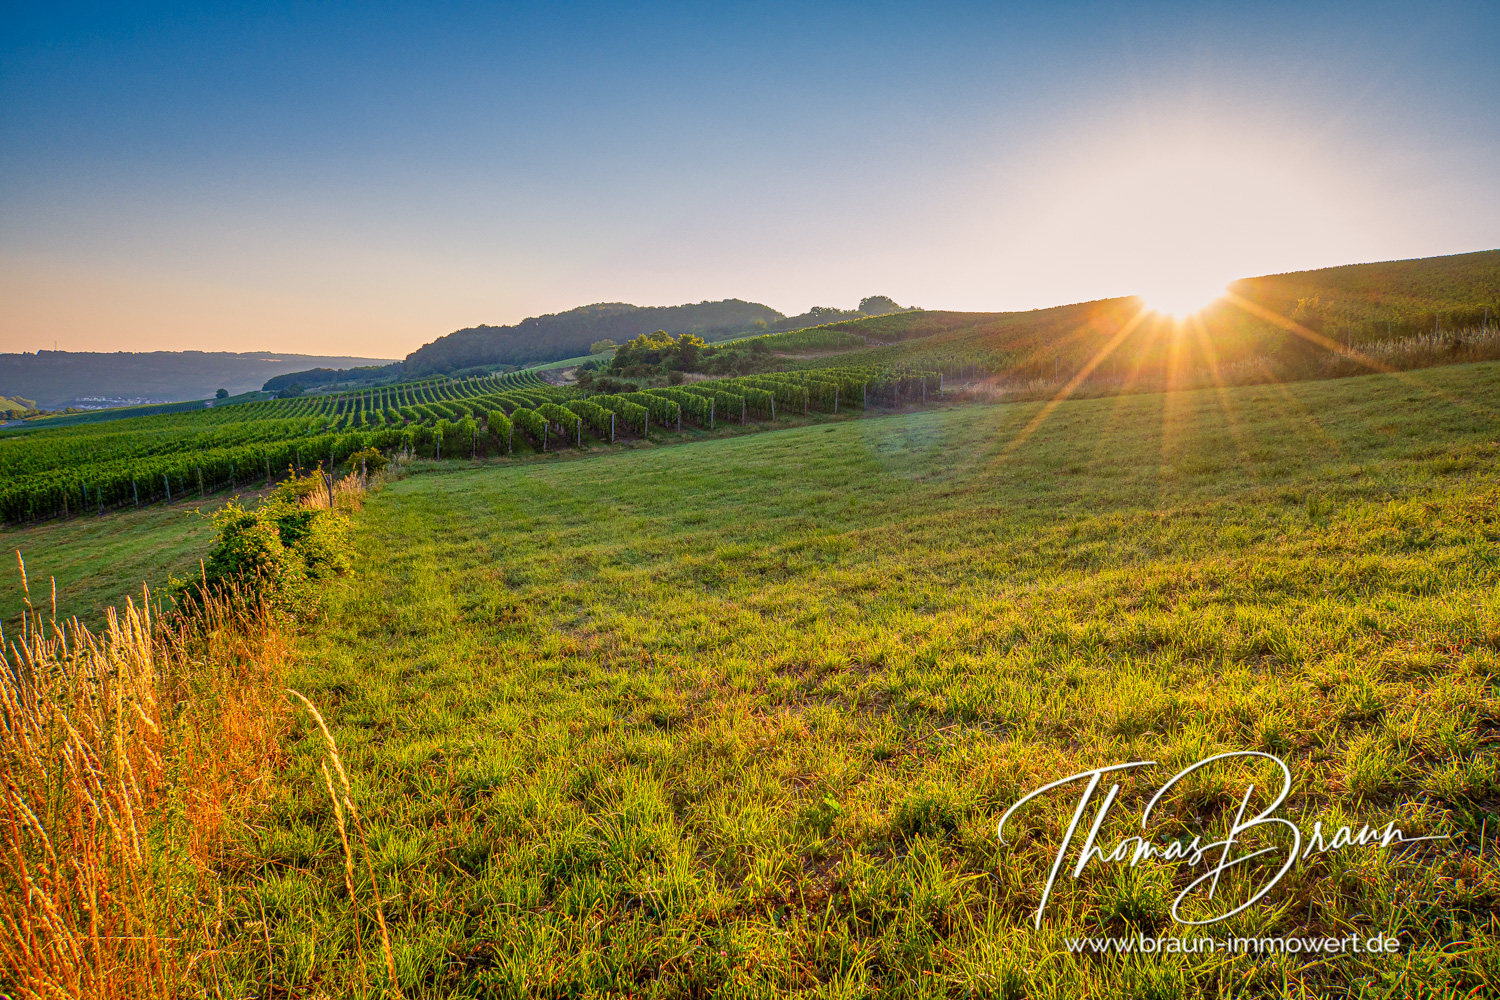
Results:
[686, 348]
[600, 346]
[645, 349]
[221, 394]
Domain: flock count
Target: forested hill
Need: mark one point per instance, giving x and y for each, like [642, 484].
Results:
[568, 334]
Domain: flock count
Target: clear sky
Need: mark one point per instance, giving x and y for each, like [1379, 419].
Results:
[362, 178]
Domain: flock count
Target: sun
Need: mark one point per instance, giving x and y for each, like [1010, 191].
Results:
[1176, 216]
[1182, 296]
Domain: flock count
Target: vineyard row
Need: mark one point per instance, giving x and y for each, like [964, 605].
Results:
[98, 467]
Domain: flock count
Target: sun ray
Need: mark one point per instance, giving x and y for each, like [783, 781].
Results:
[1078, 377]
[1221, 389]
[1173, 407]
[1042, 353]
[1376, 367]
[1123, 392]
[1261, 312]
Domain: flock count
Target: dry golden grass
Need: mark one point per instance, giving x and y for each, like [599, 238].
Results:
[343, 803]
[125, 755]
[128, 757]
[346, 494]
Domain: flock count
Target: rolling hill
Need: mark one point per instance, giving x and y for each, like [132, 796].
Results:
[570, 334]
[1281, 325]
[741, 715]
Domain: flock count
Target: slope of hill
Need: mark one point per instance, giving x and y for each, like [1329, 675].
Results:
[1396, 297]
[16, 407]
[54, 378]
[772, 697]
[1263, 325]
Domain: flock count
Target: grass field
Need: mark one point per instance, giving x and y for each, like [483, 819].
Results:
[99, 561]
[739, 718]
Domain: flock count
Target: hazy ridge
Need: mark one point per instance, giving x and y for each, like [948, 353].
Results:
[54, 378]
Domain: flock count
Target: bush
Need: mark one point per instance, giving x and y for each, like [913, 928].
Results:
[614, 385]
[373, 460]
[298, 488]
[274, 551]
[248, 554]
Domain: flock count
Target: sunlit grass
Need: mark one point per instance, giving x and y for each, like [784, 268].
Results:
[739, 717]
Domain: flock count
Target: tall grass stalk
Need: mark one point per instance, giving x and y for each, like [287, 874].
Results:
[343, 803]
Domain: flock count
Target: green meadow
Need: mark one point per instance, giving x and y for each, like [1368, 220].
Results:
[97, 562]
[739, 717]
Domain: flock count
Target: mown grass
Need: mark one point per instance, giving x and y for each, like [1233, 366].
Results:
[100, 561]
[738, 718]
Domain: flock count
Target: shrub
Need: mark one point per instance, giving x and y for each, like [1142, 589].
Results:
[273, 551]
[373, 461]
[248, 554]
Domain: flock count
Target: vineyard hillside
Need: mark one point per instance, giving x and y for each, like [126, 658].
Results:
[92, 469]
[1279, 326]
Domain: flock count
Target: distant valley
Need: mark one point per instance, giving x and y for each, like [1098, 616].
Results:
[91, 380]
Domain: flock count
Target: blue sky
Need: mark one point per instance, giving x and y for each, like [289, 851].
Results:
[362, 178]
